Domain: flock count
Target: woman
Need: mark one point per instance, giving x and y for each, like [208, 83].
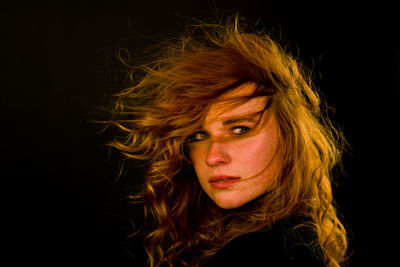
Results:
[239, 153]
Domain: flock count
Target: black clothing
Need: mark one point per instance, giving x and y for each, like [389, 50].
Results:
[283, 245]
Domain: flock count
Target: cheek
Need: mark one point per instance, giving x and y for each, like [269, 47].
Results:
[196, 154]
[256, 154]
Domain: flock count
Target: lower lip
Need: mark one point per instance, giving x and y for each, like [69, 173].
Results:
[223, 184]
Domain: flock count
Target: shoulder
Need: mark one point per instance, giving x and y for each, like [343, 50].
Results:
[283, 245]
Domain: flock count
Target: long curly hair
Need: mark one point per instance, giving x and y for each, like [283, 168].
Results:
[167, 102]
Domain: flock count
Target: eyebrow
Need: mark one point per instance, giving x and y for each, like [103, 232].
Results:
[236, 120]
[249, 117]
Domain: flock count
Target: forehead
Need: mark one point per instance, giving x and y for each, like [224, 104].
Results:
[224, 109]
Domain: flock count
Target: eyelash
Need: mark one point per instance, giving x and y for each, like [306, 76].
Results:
[243, 129]
[204, 135]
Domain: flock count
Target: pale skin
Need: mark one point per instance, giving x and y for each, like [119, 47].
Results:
[234, 157]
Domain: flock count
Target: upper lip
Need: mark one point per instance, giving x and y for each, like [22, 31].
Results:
[221, 177]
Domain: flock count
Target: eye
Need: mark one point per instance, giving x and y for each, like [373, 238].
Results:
[199, 136]
[239, 130]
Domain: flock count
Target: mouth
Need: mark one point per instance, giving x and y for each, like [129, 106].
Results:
[222, 178]
[223, 182]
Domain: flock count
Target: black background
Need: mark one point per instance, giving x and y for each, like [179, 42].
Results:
[60, 203]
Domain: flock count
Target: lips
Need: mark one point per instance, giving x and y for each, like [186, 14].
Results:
[222, 178]
[223, 181]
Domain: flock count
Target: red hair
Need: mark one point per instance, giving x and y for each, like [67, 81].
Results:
[166, 105]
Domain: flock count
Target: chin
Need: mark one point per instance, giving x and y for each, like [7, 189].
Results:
[229, 204]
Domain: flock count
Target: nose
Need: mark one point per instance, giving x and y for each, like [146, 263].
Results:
[217, 154]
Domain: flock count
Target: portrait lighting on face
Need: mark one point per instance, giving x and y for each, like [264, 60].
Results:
[235, 154]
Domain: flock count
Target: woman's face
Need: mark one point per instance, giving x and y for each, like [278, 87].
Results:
[235, 154]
